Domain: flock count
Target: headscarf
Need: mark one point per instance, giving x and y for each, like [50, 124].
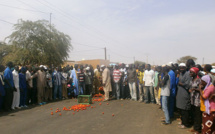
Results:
[207, 79]
[195, 70]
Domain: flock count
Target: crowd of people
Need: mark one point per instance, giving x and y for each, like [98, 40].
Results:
[185, 88]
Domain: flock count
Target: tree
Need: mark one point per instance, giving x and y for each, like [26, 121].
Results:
[4, 50]
[35, 43]
[137, 63]
[185, 58]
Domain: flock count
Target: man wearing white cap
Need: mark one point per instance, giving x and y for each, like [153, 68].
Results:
[183, 96]
[213, 76]
[106, 81]
[41, 84]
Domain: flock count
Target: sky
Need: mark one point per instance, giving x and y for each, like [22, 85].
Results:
[153, 31]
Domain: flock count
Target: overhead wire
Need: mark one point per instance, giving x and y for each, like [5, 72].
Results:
[22, 8]
[6, 22]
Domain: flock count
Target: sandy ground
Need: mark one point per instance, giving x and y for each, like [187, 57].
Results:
[130, 117]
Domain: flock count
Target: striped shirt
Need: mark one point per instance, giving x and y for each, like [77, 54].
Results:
[116, 75]
[81, 76]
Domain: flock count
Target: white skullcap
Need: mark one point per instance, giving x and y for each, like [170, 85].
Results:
[102, 65]
[163, 65]
[170, 64]
[87, 68]
[213, 70]
[45, 67]
[41, 66]
[182, 65]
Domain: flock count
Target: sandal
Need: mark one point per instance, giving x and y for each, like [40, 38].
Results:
[182, 127]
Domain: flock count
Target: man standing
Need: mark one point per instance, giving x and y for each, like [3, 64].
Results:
[165, 93]
[132, 81]
[81, 80]
[149, 82]
[29, 86]
[16, 95]
[49, 85]
[64, 83]
[23, 87]
[58, 83]
[96, 81]
[41, 84]
[2, 91]
[74, 77]
[140, 75]
[9, 87]
[116, 77]
[88, 82]
[171, 74]
[157, 84]
[106, 82]
[183, 101]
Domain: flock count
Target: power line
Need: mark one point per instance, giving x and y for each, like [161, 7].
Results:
[87, 45]
[6, 22]
[22, 8]
[86, 50]
[69, 17]
[119, 54]
[30, 6]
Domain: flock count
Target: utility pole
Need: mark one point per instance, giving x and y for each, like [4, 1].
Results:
[147, 59]
[105, 53]
[203, 61]
[50, 20]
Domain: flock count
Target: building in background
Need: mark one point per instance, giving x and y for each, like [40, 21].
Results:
[93, 62]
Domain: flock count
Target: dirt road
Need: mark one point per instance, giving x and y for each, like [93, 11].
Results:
[129, 118]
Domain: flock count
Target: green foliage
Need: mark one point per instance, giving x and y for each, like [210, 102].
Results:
[35, 43]
[185, 58]
[138, 63]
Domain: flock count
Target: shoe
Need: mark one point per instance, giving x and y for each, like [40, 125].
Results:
[17, 107]
[192, 130]
[21, 106]
[122, 99]
[13, 109]
[164, 123]
[25, 106]
[40, 104]
[43, 103]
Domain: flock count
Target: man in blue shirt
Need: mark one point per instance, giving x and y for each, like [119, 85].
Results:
[2, 91]
[9, 87]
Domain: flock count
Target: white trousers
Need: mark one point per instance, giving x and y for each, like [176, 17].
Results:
[16, 99]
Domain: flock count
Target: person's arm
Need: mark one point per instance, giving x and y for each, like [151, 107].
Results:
[166, 78]
[144, 78]
[186, 84]
[104, 77]
[153, 78]
[212, 96]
